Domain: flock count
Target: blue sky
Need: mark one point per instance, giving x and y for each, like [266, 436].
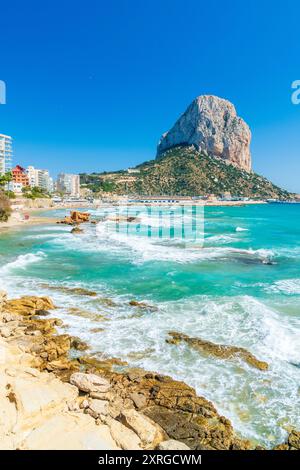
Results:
[92, 85]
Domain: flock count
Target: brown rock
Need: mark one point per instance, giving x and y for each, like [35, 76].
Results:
[217, 350]
[176, 408]
[70, 290]
[143, 306]
[281, 447]
[79, 345]
[80, 217]
[29, 305]
[94, 364]
[76, 230]
[294, 439]
[75, 217]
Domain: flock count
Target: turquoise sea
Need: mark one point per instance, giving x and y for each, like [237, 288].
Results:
[240, 287]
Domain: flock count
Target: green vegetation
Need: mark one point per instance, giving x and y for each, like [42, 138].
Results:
[34, 193]
[10, 194]
[4, 179]
[98, 183]
[5, 209]
[184, 171]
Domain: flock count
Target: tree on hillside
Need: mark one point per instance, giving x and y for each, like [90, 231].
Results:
[6, 178]
[35, 192]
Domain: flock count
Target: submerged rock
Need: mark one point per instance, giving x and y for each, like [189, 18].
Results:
[70, 290]
[143, 306]
[79, 345]
[76, 230]
[97, 364]
[218, 350]
[107, 302]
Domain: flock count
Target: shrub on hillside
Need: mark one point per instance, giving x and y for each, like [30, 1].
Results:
[34, 193]
[5, 209]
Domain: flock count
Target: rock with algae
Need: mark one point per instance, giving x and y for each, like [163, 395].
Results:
[218, 350]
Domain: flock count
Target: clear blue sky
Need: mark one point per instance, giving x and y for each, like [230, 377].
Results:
[92, 85]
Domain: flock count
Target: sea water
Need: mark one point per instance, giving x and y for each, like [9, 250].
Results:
[236, 284]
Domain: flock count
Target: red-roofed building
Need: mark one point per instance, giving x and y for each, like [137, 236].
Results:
[20, 178]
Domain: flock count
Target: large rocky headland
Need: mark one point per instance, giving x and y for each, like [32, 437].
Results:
[206, 152]
[211, 125]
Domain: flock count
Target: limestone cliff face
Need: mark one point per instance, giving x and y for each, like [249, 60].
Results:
[213, 127]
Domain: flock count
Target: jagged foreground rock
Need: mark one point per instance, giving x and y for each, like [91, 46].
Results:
[213, 127]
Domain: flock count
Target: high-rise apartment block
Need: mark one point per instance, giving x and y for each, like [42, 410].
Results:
[5, 153]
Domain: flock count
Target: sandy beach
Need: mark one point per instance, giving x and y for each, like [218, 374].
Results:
[18, 222]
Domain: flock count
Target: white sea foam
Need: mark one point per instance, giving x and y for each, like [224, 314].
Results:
[220, 239]
[285, 286]
[21, 262]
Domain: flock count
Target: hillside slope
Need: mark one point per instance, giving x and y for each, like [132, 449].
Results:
[185, 171]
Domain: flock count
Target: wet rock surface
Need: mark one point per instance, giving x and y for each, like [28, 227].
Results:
[70, 290]
[76, 230]
[218, 350]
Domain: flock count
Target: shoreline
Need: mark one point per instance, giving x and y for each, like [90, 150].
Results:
[13, 223]
[17, 220]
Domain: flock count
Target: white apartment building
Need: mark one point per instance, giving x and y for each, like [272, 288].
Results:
[5, 153]
[40, 178]
[68, 184]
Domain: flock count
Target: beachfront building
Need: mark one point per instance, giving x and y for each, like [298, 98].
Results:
[161, 199]
[5, 153]
[68, 184]
[20, 179]
[40, 178]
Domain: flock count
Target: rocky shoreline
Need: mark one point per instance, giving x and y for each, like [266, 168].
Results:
[54, 396]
